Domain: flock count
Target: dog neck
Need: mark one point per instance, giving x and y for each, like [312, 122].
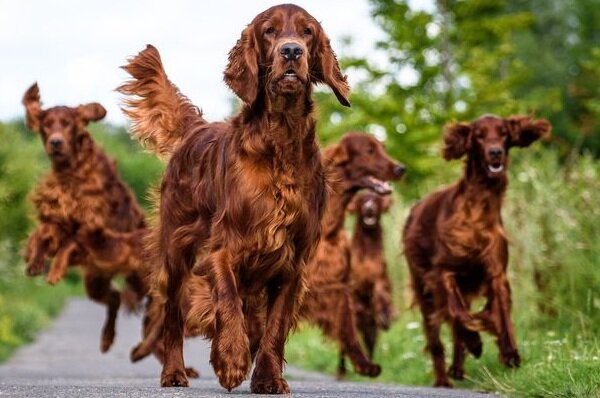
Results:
[283, 129]
[480, 190]
[368, 240]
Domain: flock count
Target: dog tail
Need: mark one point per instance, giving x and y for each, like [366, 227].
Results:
[159, 113]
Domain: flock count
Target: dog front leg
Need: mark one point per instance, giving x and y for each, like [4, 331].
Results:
[38, 247]
[61, 261]
[499, 316]
[457, 307]
[281, 309]
[230, 351]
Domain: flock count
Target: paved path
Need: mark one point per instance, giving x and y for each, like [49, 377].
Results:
[65, 362]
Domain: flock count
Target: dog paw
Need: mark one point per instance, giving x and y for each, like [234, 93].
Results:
[230, 361]
[192, 373]
[176, 378]
[138, 353]
[232, 374]
[270, 386]
[53, 278]
[107, 340]
[369, 369]
[457, 373]
[510, 359]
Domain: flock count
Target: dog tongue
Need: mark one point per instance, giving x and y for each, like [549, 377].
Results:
[381, 187]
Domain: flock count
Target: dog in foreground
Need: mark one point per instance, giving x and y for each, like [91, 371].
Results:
[87, 216]
[456, 247]
[240, 201]
[358, 161]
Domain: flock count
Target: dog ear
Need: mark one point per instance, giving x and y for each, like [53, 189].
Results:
[524, 130]
[337, 153]
[456, 140]
[326, 69]
[386, 203]
[91, 112]
[33, 108]
[241, 74]
[352, 207]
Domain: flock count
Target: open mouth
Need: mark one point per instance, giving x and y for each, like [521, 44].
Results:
[496, 168]
[379, 186]
[290, 75]
[370, 220]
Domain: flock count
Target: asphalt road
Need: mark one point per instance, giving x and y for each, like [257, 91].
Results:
[65, 361]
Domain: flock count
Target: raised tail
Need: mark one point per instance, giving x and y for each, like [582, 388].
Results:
[160, 115]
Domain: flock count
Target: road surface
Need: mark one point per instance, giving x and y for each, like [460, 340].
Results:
[65, 361]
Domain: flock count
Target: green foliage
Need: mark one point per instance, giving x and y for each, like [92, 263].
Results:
[467, 58]
[21, 163]
[552, 219]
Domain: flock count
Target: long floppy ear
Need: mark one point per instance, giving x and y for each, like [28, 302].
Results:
[326, 69]
[353, 205]
[524, 130]
[456, 140]
[33, 107]
[91, 112]
[337, 154]
[241, 74]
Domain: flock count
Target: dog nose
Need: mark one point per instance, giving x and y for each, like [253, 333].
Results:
[399, 170]
[495, 152]
[291, 51]
[55, 143]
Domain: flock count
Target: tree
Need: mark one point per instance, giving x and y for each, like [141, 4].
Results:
[467, 58]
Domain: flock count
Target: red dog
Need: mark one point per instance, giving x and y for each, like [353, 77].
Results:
[87, 215]
[358, 161]
[456, 246]
[241, 201]
[371, 286]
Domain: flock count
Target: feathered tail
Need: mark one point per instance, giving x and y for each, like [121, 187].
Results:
[160, 115]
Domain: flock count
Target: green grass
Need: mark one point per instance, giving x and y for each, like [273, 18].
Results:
[552, 217]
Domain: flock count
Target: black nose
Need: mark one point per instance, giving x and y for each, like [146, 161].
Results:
[291, 51]
[495, 152]
[55, 143]
[399, 170]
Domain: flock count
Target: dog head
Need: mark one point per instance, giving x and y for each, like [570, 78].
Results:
[61, 128]
[487, 140]
[282, 52]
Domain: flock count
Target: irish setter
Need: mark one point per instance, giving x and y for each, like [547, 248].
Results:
[357, 162]
[456, 246]
[87, 216]
[371, 286]
[241, 201]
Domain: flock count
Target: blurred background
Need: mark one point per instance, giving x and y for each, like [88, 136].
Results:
[414, 65]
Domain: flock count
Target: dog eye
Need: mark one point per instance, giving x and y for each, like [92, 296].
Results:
[307, 31]
[65, 123]
[270, 30]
